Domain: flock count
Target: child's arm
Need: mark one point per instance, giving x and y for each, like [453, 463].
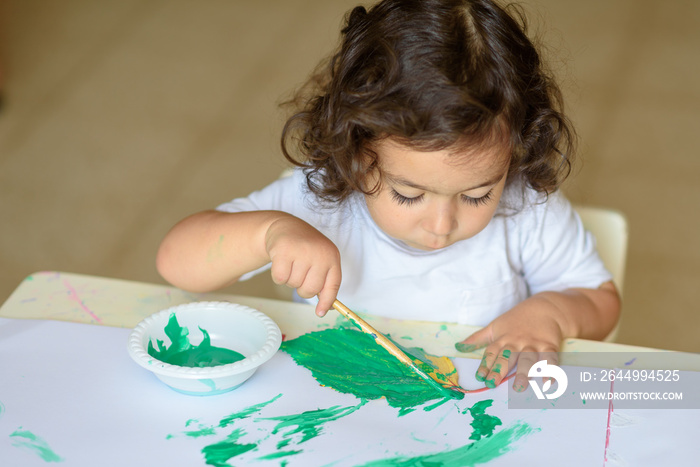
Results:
[538, 325]
[212, 249]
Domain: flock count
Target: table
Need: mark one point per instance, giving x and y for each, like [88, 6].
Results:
[60, 300]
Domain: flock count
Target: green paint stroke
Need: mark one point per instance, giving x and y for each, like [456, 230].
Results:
[29, 441]
[351, 362]
[310, 423]
[475, 453]
[482, 423]
[202, 430]
[245, 413]
[182, 353]
[278, 454]
[219, 453]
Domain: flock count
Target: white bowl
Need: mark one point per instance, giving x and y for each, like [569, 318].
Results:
[230, 326]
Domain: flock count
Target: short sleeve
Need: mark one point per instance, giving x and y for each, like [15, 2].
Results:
[284, 194]
[557, 252]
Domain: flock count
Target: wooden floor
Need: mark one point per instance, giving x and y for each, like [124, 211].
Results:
[122, 116]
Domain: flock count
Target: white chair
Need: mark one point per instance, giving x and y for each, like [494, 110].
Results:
[609, 227]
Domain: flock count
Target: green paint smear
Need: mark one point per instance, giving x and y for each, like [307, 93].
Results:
[351, 362]
[219, 453]
[33, 443]
[482, 423]
[277, 455]
[310, 423]
[465, 348]
[182, 353]
[245, 413]
[475, 453]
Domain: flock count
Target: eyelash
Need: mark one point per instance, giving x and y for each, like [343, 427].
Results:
[402, 200]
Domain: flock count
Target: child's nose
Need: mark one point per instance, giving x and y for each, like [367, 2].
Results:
[442, 220]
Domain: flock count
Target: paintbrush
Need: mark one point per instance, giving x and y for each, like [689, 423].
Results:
[451, 391]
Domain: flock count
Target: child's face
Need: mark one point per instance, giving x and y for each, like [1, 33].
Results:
[430, 200]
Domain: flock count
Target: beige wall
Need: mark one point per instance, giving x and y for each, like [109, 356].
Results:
[123, 116]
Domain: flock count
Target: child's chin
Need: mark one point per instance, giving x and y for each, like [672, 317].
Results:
[424, 247]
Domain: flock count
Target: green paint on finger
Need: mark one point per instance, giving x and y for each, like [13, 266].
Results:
[491, 383]
[506, 353]
[497, 368]
[465, 348]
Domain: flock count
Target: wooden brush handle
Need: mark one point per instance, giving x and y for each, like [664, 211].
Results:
[378, 336]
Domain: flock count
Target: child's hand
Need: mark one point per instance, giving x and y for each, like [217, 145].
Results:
[529, 332]
[305, 259]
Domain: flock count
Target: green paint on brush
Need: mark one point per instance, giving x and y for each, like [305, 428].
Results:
[28, 441]
[475, 453]
[219, 453]
[182, 353]
[351, 362]
[482, 424]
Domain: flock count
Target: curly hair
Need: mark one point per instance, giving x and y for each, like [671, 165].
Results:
[431, 74]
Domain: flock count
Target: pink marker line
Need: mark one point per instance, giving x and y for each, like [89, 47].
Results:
[607, 433]
[73, 295]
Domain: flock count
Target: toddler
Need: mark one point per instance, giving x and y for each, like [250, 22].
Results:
[429, 151]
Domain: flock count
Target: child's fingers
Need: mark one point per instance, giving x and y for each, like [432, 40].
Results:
[487, 362]
[329, 292]
[313, 283]
[281, 271]
[525, 361]
[477, 340]
[500, 368]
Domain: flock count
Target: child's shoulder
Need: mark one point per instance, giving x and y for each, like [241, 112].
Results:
[523, 203]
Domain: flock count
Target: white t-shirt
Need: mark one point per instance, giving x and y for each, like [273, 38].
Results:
[542, 247]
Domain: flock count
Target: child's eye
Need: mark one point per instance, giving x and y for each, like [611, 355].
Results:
[478, 201]
[404, 200]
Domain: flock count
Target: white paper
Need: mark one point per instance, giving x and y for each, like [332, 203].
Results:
[74, 387]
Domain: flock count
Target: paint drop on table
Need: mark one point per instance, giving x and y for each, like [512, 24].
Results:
[182, 353]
